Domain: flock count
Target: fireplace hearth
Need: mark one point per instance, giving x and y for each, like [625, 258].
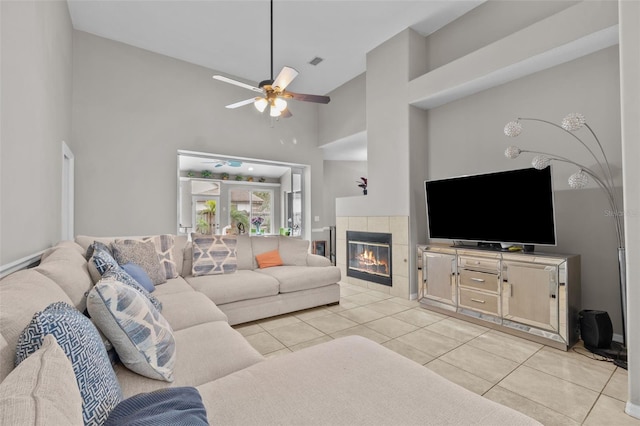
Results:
[369, 256]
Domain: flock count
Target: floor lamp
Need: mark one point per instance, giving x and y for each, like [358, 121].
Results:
[602, 176]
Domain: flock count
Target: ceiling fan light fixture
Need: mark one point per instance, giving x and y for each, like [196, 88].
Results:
[274, 112]
[260, 104]
[280, 104]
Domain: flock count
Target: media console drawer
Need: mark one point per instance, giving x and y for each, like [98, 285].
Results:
[479, 301]
[481, 280]
[485, 264]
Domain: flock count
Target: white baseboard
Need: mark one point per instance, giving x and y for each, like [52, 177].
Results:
[19, 264]
[633, 410]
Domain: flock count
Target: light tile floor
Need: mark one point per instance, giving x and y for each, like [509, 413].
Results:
[552, 386]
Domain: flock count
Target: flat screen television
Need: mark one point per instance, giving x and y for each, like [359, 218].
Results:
[510, 207]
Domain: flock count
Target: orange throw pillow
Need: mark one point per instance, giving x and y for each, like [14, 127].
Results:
[269, 259]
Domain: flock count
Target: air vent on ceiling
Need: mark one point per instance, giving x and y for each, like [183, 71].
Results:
[316, 60]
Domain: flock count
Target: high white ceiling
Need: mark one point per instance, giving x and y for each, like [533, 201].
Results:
[233, 37]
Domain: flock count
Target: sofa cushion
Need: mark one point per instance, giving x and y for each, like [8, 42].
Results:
[82, 344]
[172, 286]
[186, 309]
[312, 386]
[293, 250]
[42, 390]
[233, 287]
[21, 294]
[244, 252]
[204, 353]
[73, 279]
[269, 259]
[296, 278]
[63, 252]
[213, 254]
[141, 253]
[261, 245]
[179, 245]
[173, 406]
[141, 336]
[138, 274]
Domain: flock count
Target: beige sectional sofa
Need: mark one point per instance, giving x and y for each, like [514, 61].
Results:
[350, 380]
[304, 281]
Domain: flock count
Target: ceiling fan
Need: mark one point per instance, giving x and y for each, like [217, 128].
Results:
[230, 163]
[273, 91]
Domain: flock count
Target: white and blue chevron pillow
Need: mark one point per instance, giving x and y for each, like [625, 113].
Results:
[81, 342]
[141, 336]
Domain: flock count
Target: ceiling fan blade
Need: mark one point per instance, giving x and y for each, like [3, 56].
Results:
[307, 98]
[237, 83]
[241, 103]
[285, 77]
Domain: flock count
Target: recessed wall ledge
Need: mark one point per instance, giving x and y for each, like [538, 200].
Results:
[575, 32]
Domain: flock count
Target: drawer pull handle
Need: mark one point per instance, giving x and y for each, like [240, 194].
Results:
[478, 280]
[478, 301]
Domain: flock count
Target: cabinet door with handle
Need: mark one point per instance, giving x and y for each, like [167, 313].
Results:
[439, 277]
[530, 294]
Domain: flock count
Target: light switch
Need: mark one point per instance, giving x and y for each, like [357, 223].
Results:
[316, 218]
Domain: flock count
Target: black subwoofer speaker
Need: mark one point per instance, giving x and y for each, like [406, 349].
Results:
[596, 329]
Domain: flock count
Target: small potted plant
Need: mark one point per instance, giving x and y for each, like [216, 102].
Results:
[239, 177]
[225, 176]
[362, 183]
[190, 173]
[205, 174]
[249, 178]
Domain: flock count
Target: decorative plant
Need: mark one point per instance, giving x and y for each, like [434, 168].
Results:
[205, 174]
[190, 173]
[239, 177]
[261, 179]
[208, 214]
[224, 176]
[239, 218]
[202, 226]
[249, 178]
[362, 183]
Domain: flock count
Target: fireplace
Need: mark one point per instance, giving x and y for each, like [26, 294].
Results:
[369, 256]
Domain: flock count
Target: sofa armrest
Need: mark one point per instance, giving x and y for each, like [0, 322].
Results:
[317, 260]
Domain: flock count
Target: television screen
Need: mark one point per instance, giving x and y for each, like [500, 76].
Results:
[513, 207]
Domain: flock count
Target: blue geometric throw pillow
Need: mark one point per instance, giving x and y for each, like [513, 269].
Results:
[103, 259]
[81, 342]
[140, 334]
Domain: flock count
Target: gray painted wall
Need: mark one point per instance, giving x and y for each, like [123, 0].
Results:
[345, 115]
[36, 118]
[133, 109]
[340, 179]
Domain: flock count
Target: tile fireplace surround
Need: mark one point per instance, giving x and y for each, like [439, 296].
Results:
[398, 227]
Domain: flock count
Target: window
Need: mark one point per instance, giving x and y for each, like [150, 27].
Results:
[246, 204]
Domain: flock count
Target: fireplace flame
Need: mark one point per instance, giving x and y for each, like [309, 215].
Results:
[368, 259]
